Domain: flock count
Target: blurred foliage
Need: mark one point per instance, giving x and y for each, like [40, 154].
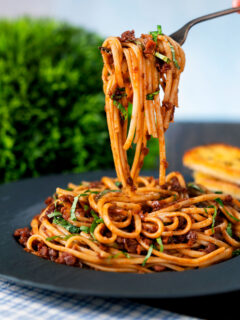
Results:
[52, 115]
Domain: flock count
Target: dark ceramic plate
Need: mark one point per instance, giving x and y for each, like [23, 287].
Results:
[20, 201]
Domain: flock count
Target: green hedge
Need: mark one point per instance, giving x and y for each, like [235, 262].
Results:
[52, 115]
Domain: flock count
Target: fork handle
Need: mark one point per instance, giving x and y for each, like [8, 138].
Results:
[185, 29]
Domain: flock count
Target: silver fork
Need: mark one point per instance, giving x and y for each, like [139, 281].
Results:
[181, 34]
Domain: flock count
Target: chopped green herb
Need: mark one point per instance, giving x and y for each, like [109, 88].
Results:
[69, 189]
[65, 224]
[54, 214]
[101, 194]
[236, 252]
[61, 237]
[229, 229]
[174, 197]
[95, 216]
[150, 96]
[92, 228]
[118, 184]
[154, 34]
[159, 241]
[118, 254]
[87, 192]
[126, 254]
[162, 57]
[148, 255]
[85, 229]
[174, 57]
[95, 222]
[195, 186]
[83, 194]
[219, 201]
[73, 208]
[90, 191]
[121, 108]
[85, 207]
[205, 210]
[218, 192]
[214, 218]
[159, 29]
[54, 237]
[129, 109]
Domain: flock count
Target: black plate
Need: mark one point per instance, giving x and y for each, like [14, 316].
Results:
[20, 201]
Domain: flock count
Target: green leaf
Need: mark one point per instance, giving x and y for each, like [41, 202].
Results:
[154, 34]
[93, 227]
[85, 229]
[73, 229]
[95, 216]
[85, 207]
[54, 214]
[95, 222]
[159, 29]
[54, 237]
[148, 255]
[73, 208]
[219, 201]
[162, 57]
[159, 241]
[106, 191]
[236, 252]
[229, 229]
[127, 255]
[65, 224]
[87, 192]
[218, 192]
[115, 255]
[61, 237]
[173, 56]
[121, 108]
[118, 254]
[214, 218]
[150, 96]
[69, 189]
[195, 186]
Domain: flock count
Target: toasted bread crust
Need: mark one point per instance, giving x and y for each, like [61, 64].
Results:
[214, 184]
[218, 160]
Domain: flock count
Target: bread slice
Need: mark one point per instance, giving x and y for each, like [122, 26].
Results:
[214, 184]
[220, 161]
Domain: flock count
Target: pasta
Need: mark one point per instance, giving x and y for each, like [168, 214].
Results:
[134, 223]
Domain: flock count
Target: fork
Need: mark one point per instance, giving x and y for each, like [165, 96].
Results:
[181, 34]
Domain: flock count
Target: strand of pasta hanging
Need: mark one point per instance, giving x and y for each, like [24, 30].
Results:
[134, 71]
